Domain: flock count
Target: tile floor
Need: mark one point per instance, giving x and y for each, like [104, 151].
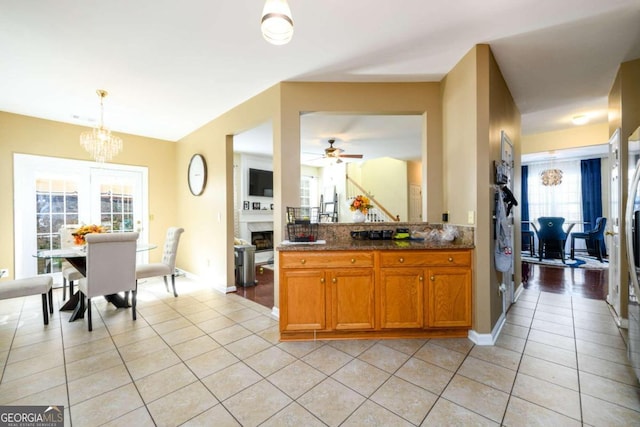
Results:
[210, 359]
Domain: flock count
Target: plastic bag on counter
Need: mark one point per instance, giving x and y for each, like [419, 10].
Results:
[449, 233]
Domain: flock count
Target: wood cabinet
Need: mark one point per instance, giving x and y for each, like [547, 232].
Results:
[327, 291]
[385, 294]
[449, 297]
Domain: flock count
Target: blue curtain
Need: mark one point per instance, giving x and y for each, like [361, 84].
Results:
[591, 196]
[524, 195]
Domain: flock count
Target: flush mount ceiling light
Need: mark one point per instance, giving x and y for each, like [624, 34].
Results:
[277, 24]
[580, 119]
[99, 142]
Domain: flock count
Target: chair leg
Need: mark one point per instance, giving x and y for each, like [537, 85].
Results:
[573, 248]
[173, 283]
[70, 288]
[89, 313]
[45, 313]
[562, 252]
[64, 289]
[134, 302]
[51, 300]
[166, 284]
[599, 246]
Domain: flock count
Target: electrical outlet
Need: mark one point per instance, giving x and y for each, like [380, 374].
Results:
[4, 272]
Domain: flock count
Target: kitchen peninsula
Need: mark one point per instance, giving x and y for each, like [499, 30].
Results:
[362, 288]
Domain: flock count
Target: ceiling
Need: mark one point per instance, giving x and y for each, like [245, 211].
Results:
[171, 67]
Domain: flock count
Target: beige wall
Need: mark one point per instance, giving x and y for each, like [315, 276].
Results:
[29, 135]
[477, 105]
[386, 179]
[578, 136]
[207, 244]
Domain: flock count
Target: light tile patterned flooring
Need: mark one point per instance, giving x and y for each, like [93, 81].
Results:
[210, 359]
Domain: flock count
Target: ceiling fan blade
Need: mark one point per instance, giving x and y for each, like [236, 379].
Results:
[351, 156]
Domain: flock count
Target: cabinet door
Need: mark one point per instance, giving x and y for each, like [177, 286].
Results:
[401, 298]
[448, 297]
[302, 300]
[352, 299]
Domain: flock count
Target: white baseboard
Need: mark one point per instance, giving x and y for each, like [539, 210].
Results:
[518, 292]
[275, 312]
[488, 339]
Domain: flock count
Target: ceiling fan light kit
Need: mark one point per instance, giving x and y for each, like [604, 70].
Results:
[277, 23]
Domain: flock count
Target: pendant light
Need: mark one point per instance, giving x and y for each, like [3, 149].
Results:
[277, 23]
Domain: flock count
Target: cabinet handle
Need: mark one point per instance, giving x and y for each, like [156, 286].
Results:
[322, 280]
[433, 278]
[450, 259]
[421, 278]
[334, 280]
[302, 261]
[353, 260]
[401, 260]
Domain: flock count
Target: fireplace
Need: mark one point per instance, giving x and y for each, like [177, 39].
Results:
[263, 240]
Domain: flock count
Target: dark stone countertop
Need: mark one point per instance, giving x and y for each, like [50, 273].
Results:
[362, 245]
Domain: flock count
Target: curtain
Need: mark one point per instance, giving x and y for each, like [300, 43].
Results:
[591, 196]
[524, 202]
[563, 200]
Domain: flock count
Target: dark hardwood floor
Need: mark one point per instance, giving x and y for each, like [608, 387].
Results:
[592, 284]
[262, 292]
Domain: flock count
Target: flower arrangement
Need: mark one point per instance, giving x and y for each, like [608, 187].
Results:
[360, 203]
[78, 235]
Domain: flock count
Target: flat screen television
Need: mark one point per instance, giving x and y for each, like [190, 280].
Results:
[260, 183]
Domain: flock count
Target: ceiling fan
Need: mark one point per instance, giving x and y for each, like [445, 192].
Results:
[336, 153]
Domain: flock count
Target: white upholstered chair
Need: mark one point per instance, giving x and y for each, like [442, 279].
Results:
[69, 273]
[111, 268]
[168, 264]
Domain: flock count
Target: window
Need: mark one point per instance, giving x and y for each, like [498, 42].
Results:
[52, 192]
[563, 200]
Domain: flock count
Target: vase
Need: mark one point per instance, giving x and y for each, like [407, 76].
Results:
[358, 216]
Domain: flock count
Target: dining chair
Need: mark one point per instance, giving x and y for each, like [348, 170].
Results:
[111, 268]
[593, 238]
[69, 273]
[551, 236]
[168, 264]
[528, 238]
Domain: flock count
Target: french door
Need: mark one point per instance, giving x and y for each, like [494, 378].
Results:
[51, 193]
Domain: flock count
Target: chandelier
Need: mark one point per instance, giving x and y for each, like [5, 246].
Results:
[99, 142]
[277, 23]
[551, 177]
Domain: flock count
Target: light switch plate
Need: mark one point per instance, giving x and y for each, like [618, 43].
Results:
[471, 217]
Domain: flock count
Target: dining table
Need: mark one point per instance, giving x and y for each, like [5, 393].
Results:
[77, 257]
[568, 223]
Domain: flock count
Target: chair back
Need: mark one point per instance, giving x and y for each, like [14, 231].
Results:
[111, 263]
[66, 235]
[598, 230]
[170, 249]
[550, 228]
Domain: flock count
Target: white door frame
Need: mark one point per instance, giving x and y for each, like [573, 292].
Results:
[27, 167]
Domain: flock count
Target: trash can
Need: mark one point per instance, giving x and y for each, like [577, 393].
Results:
[245, 265]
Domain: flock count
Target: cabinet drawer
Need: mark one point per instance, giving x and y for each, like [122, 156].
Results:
[425, 258]
[310, 259]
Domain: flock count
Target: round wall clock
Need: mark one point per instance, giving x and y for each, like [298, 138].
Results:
[197, 174]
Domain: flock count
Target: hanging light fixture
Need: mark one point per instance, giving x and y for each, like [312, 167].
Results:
[99, 142]
[277, 23]
[551, 177]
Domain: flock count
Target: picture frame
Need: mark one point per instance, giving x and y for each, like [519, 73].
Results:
[245, 205]
[255, 206]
